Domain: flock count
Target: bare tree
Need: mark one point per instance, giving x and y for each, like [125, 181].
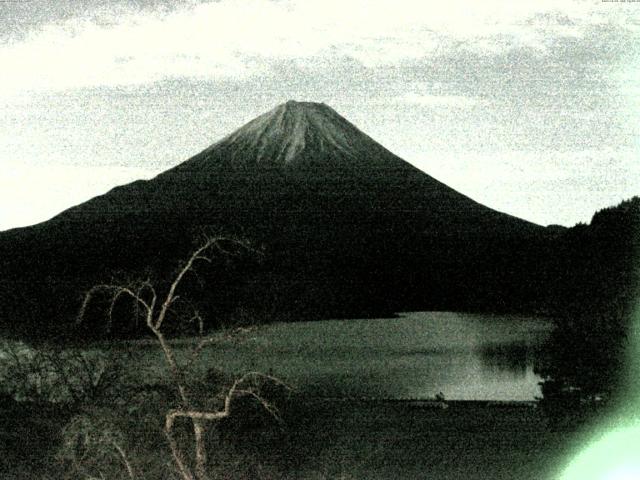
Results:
[88, 442]
[154, 307]
[56, 375]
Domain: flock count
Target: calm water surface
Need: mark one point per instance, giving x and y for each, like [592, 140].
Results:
[413, 356]
[464, 356]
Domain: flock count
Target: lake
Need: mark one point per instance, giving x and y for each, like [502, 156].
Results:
[416, 355]
[413, 356]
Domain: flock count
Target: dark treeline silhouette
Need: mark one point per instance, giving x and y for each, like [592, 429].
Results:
[592, 298]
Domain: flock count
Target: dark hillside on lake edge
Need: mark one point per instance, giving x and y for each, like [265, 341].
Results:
[349, 229]
[593, 297]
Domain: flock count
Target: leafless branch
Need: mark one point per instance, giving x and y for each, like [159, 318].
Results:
[125, 460]
[155, 311]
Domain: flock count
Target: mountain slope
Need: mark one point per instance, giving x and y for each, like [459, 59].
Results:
[349, 228]
[294, 146]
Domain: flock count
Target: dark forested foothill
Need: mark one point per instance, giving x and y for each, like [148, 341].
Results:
[593, 297]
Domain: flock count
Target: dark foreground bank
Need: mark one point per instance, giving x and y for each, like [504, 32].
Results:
[321, 439]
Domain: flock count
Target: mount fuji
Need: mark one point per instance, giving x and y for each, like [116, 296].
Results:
[349, 229]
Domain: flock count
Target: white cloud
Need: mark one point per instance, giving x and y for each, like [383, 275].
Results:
[238, 38]
[438, 100]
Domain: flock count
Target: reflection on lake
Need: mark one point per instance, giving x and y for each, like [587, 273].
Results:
[417, 355]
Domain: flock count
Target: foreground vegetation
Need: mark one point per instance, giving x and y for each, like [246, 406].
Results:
[107, 408]
[319, 439]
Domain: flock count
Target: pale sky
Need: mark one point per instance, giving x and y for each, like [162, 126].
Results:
[532, 108]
